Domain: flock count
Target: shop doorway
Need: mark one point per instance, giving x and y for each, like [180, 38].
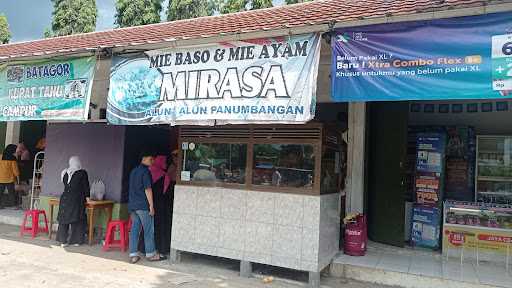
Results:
[31, 141]
[161, 140]
[386, 171]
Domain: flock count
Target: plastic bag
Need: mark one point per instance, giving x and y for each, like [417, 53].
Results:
[97, 190]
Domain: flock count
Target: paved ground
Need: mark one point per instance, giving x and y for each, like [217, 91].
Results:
[40, 263]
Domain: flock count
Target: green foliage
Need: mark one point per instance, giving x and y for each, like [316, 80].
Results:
[186, 9]
[288, 2]
[73, 17]
[232, 6]
[259, 4]
[47, 33]
[137, 12]
[5, 34]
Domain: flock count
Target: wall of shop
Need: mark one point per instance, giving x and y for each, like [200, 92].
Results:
[285, 230]
[485, 123]
[99, 146]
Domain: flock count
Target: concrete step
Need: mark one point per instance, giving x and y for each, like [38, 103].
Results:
[11, 216]
[398, 279]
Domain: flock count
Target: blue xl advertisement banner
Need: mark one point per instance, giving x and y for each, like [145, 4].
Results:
[268, 80]
[455, 58]
[426, 226]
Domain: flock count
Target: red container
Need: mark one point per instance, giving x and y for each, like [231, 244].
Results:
[356, 237]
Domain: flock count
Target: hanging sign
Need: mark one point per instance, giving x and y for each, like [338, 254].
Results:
[270, 80]
[46, 89]
[455, 58]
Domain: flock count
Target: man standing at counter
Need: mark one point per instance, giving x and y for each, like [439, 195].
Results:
[140, 205]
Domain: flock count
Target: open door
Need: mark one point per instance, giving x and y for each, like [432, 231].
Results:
[387, 145]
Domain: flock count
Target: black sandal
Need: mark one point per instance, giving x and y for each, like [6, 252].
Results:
[160, 258]
[134, 259]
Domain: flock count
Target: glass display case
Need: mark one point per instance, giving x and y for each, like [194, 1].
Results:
[478, 215]
[483, 227]
[494, 169]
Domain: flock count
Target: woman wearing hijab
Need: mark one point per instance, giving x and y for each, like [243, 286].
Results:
[24, 163]
[9, 172]
[162, 204]
[72, 204]
[22, 152]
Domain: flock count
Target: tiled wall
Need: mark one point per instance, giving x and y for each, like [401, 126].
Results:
[287, 230]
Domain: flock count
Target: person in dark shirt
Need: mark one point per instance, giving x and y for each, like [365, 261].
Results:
[140, 206]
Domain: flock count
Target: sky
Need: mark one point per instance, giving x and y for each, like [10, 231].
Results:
[29, 18]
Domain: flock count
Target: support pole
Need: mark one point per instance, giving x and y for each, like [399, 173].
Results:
[245, 269]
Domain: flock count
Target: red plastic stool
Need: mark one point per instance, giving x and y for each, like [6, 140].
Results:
[33, 229]
[110, 241]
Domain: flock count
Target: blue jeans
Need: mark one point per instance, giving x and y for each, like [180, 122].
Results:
[142, 217]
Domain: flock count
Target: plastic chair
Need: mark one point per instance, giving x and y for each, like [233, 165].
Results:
[112, 228]
[33, 229]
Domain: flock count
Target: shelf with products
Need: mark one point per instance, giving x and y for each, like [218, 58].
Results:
[494, 169]
[478, 215]
[484, 227]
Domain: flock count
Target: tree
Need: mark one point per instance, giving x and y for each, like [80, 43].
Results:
[288, 2]
[5, 34]
[186, 9]
[232, 6]
[73, 17]
[259, 4]
[137, 12]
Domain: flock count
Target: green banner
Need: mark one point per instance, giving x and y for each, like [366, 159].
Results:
[57, 89]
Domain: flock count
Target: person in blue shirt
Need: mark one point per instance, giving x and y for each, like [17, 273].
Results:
[140, 206]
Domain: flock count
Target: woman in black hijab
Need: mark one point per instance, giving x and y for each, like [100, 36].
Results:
[9, 173]
[72, 204]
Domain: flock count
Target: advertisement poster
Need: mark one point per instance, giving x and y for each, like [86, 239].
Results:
[430, 161]
[269, 80]
[455, 58]
[474, 238]
[46, 89]
[426, 226]
[430, 149]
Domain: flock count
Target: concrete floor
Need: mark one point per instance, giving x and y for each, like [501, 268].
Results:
[39, 262]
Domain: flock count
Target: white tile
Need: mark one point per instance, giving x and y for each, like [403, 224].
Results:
[260, 207]
[207, 250]
[256, 257]
[233, 204]
[208, 202]
[183, 228]
[286, 262]
[426, 267]
[370, 260]
[397, 263]
[289, 209]
[453, 270]
[231, 234]
[185, 200]
[207, 230]
[311, 212]
[286, 241]
[308, 266]
[310, 244]
[231, 254]
[258, 237]
[492, 274]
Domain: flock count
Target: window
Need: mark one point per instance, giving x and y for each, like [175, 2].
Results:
[331, 169]
[215, 163]
[284, 165]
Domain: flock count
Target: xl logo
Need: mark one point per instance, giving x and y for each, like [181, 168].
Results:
[359, 36]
